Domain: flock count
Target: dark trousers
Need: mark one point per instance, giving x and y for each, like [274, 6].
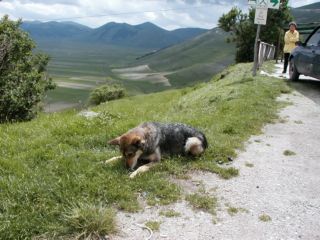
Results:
[286, 60]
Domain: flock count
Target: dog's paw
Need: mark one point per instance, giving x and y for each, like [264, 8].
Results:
[134, 174]
[113, 159]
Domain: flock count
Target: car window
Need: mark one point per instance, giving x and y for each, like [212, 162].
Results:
[315, 39]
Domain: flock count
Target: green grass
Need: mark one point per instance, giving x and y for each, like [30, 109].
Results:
[56, 162]
[289, 153]
[87, 221]
[250, 165]
[203, 202]
[68, 95]
[170, 213]
[265, 218]
[233, 211]
[153, 225]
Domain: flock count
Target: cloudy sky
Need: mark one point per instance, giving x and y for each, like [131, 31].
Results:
[168, 14]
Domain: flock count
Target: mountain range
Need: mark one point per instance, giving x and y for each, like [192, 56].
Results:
[307, 14]
[146, 35]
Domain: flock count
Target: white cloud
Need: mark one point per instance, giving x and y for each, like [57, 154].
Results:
[169, 14]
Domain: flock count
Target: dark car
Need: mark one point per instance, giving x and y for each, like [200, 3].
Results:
[305, 58]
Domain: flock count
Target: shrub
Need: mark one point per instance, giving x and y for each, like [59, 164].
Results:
[23, 81]
[106, 93]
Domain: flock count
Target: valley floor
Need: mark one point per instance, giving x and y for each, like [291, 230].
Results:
[279, 178]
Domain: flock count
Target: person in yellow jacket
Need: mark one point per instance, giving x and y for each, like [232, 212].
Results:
[290, 39]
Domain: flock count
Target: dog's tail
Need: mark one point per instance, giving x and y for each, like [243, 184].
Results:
[204, 141]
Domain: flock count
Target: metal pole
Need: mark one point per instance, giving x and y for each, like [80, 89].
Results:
[278, 45]
[255, 64]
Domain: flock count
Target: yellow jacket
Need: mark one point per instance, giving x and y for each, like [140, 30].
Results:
[289, 41]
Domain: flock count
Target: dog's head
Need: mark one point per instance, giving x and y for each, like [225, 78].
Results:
[131, 146]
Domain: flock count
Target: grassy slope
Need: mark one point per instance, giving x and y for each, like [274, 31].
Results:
[195, 60]
[52, 166]
[204, 48]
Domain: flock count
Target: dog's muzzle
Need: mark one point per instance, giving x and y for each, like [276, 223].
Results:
[131, 162]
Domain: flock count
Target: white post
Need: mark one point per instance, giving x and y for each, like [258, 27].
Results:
[255, 64]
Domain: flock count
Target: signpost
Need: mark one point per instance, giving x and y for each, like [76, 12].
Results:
[260, 17]
[261, 7]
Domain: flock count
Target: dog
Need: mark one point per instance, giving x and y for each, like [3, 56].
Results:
[151, 140]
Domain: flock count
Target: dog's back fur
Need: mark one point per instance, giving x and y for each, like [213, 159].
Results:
[170, 137]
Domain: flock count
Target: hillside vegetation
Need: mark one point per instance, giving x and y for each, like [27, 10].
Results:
[187, 63]
[78, 67]
[307, 14]
[210, 47]
[54, 182]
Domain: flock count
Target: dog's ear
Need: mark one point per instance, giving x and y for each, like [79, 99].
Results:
[115, 141]
[138, 142]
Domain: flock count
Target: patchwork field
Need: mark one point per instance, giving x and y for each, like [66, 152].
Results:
[77, 68]
[143, 73]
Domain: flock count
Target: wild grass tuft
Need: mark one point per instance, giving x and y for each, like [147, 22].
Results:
[264, 217]
[203, 202]
[233, 211]
[153, 225]
[88, 221]
[289, 153]
[250, 165]
[170, 213]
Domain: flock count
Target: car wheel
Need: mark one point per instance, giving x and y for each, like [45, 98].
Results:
[293, 72]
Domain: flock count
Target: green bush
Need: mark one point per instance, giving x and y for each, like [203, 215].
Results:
[106, 93]
[23, 80]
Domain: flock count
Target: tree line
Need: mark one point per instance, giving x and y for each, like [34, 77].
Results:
[242, 29]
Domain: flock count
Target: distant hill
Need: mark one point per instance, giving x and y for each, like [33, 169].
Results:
[146, 35]
[192, 61]
[307, 14]
[311, 6]
[204, 48]
[55, 30]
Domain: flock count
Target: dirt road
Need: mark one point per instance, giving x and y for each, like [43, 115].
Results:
[279, 178]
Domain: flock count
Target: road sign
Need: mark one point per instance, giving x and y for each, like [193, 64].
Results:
[261, 15]
[275, 4]
[261, 19]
